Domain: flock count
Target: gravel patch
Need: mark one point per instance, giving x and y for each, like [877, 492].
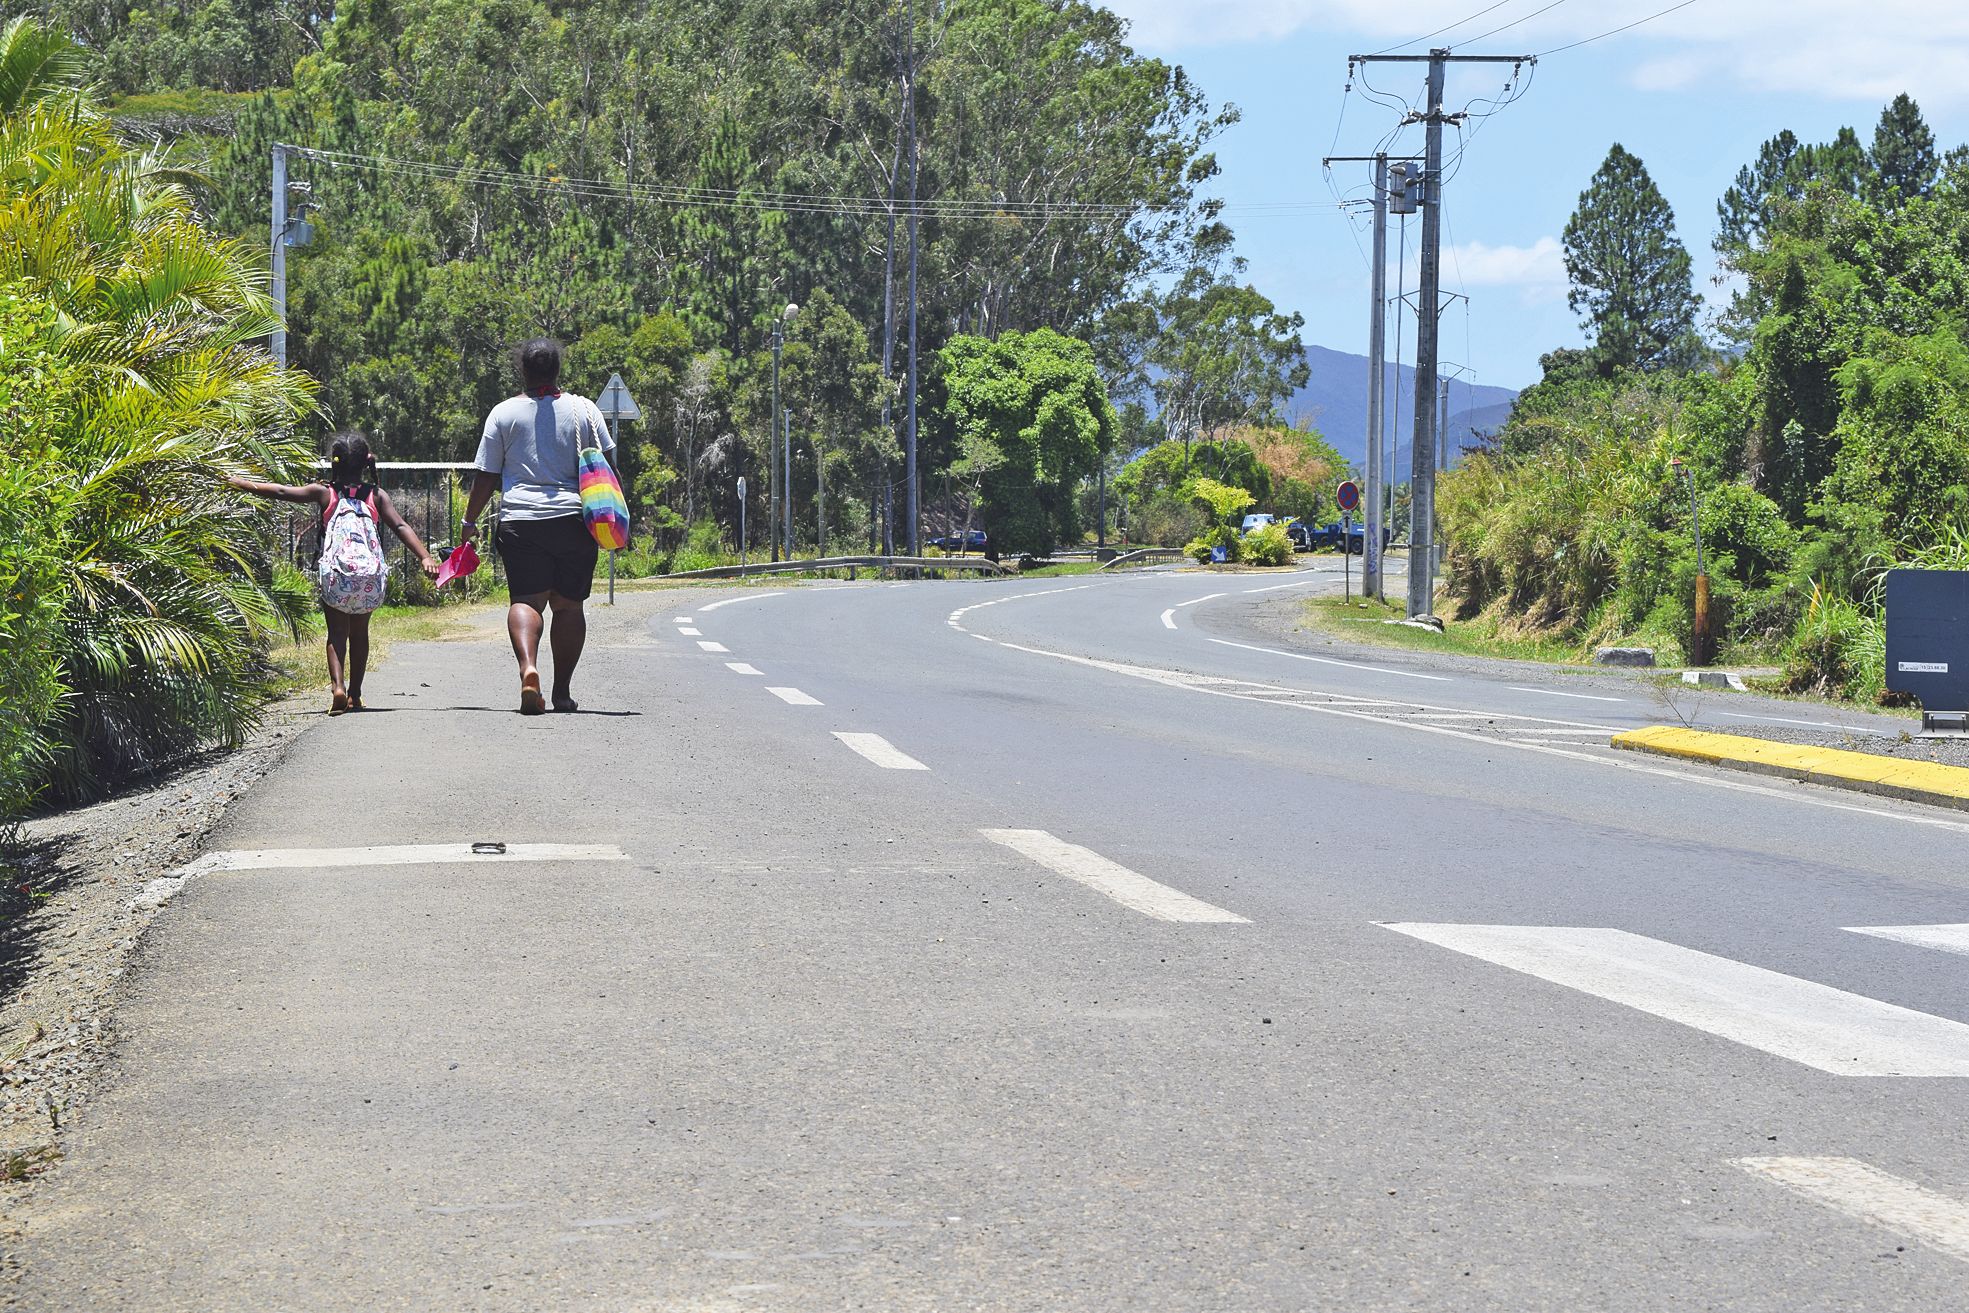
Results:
[71, 916]
[1908, 747]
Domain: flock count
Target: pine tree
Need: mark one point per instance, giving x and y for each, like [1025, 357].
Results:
[1745, 210]
[1630, 273]
[1903, 153]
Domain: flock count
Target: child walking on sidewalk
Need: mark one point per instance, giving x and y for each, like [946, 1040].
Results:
[353, 574]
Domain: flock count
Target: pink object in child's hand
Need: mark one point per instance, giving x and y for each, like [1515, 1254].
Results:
[463, 560]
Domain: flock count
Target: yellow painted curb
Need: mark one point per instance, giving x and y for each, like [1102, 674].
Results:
[1889, 777]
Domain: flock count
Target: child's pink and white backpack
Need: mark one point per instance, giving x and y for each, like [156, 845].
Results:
[354, 575]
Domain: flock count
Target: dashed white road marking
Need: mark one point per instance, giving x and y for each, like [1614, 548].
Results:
[682, 619]
[794, 697]
[734, 601]
[1328, 661]
[743, 668]
[709, 646]
[1555, 693]
[1867, 1194]
[1817, 1025]
[1133, 891]
[1948, 938]
[688, 632]
[1198, 601]
[880, 751]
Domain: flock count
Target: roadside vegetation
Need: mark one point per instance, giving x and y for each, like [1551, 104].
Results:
[1825, 431]
[136, 598]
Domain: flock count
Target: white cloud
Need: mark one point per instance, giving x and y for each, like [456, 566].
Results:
[1537, 273]
[1836, 49]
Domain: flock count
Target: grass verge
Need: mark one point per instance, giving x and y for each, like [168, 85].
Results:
[1360, 620]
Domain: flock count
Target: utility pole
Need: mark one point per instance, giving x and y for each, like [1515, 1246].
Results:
[1377, 366]
[1377, 369]
[1422, 454]
[786, 474]
[1428, 314]
[278, 342]
[889, 334]
[909, 441]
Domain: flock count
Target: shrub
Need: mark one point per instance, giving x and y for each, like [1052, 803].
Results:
[1221, 535]
[1268, 544]
[1838, 650]
[702, 549]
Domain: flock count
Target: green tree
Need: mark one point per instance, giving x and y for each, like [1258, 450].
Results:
[1032, 414]
[1222, 354]
[1630, 273]
[1903, 157]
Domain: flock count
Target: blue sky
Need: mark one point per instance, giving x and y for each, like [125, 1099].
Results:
[1693, 94]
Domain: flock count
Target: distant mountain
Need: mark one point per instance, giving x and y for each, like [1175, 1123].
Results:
[1334, 400]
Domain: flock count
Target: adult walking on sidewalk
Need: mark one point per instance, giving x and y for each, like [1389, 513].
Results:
[531, 453]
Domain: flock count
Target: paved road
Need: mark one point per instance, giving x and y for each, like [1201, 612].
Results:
[1049, 945]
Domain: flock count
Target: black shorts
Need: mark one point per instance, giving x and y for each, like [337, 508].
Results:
[543, 556]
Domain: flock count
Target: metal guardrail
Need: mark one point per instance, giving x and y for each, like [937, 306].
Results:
[977, 563]
[1146, 554]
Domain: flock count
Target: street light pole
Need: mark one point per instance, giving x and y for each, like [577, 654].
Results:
[782, 489]
[772, 444]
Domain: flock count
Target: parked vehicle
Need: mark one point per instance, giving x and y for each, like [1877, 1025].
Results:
[1257, 520]
[1331, 537]
[972, 541]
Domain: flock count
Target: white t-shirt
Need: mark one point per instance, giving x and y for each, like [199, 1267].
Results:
[534, 445]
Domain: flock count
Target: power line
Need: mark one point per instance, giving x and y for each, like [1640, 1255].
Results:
[1428, 36]
[789, 202]
[1514, 22]
[1557, 50]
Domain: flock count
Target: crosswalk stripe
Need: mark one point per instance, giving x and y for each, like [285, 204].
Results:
[1830, 1029]
[1948, 938]
[1862, 1191]
[1126, 887]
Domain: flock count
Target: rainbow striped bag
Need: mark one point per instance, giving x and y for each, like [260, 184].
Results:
[603, 507]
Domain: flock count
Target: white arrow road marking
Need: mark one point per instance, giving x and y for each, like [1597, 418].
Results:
[1867, 1194]
[1131, 890]
[794, 697]
[1948, 938]
[1169, 618]
[709, 646]
[742, 668]
[1822, 1027]
[880, 751]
